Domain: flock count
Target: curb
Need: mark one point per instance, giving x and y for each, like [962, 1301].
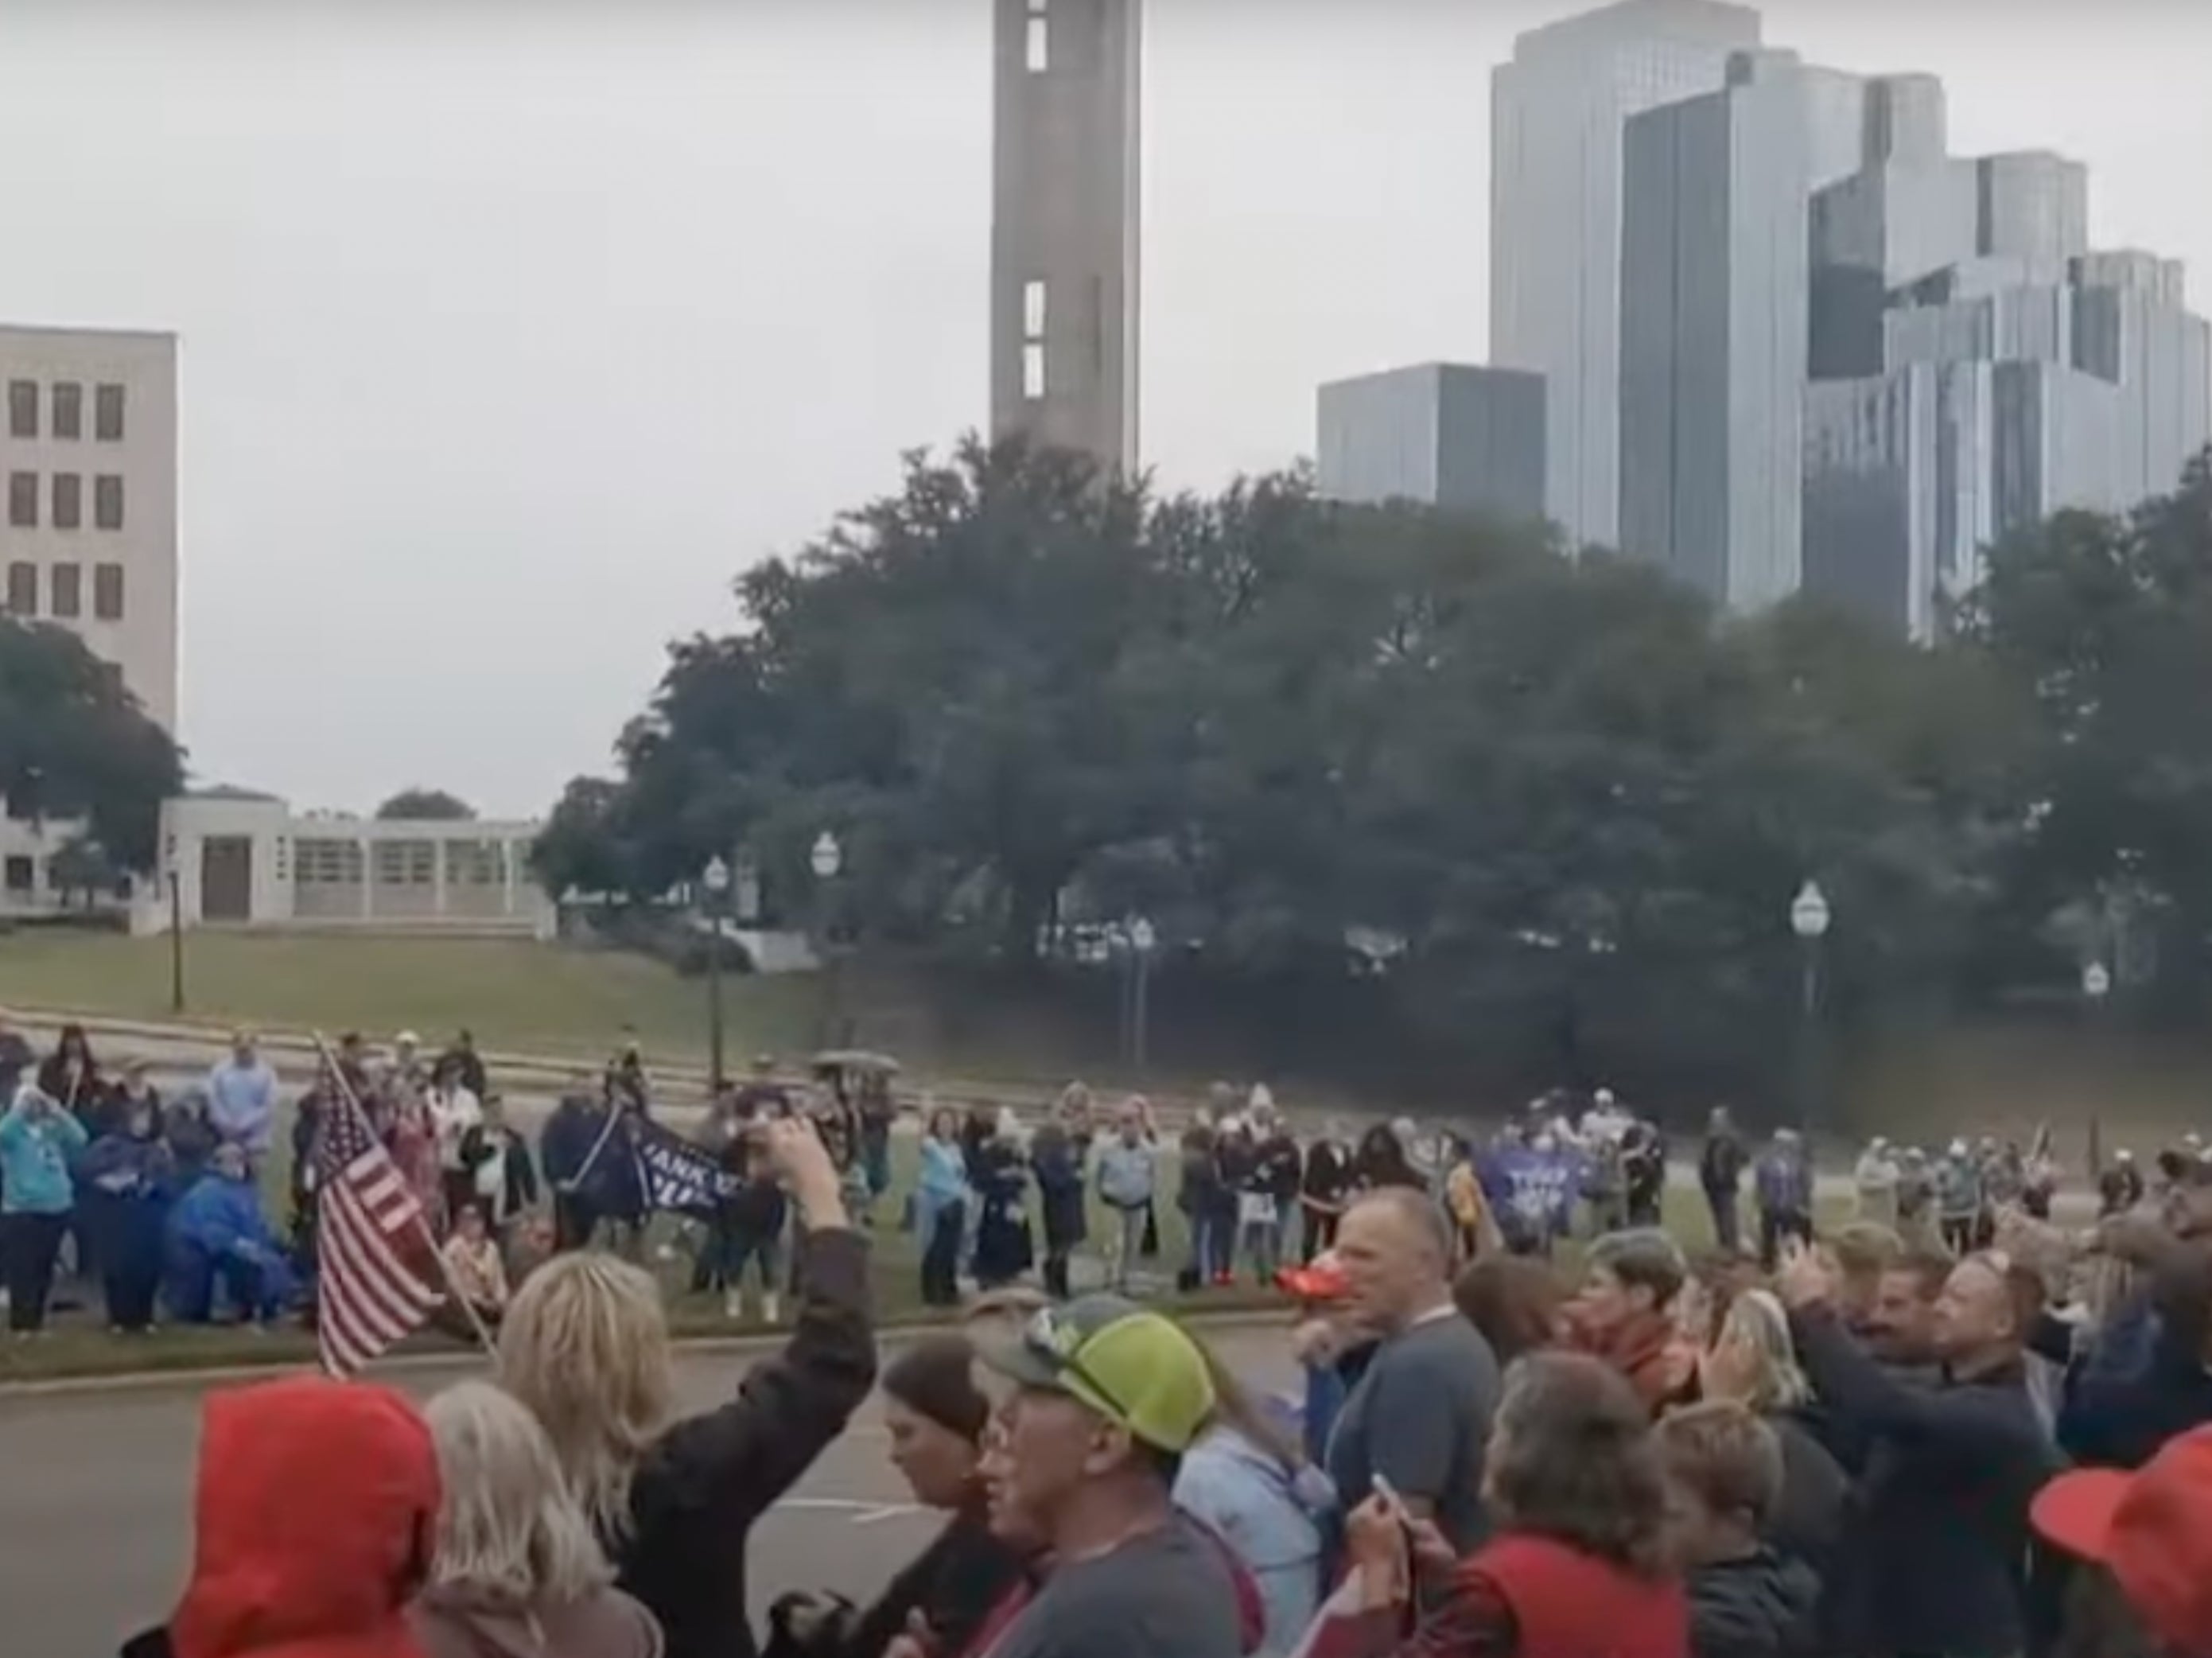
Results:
[190, 1378]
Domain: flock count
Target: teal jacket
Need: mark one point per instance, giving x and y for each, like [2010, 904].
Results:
[34, 1157]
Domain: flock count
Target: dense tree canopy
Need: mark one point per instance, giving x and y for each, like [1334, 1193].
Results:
[1542, 791]
[76, 744]
[425, 805]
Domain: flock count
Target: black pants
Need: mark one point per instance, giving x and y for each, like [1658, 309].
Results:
[1055, 1274]
[1727, 1227]
[1774, 1227]
[1150, 1249]
[29, 1244]
[941, 1260]
[1959, 1234]
[129, 1287]
[1320, 1233]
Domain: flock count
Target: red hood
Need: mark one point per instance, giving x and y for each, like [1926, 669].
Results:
[317, 1505]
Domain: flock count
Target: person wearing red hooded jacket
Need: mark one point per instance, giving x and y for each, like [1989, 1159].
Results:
[269, 1579]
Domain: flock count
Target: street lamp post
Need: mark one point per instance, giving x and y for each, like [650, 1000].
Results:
[2096, 988]
[716, 880]
[1808, 918]
[174, 876]
[826, 858]
[1142, 939]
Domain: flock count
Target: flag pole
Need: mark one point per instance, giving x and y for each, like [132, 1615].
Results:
[349, 1101]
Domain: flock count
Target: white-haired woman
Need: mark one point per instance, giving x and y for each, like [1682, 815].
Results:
[516, 1572]
[1753, 1363]
[585, 1347]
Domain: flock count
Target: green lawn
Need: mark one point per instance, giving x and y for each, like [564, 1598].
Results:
[517, 996]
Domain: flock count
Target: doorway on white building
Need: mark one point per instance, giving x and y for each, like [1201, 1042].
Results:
[227, 878]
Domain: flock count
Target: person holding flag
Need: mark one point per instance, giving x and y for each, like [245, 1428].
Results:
[377, 1271]
[585, 1346]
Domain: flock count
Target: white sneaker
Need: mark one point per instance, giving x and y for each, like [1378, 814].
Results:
[733, 1306]
[770, 1312]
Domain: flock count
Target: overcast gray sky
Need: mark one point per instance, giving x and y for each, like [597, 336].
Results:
[511, 332]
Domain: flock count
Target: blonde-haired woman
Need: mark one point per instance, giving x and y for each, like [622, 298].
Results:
[516, 1570]
[1753, 1363]
[585, 1347]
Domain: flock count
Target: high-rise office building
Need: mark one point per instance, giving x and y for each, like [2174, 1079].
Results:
[1977, 398]
[1064, 225]
[1558, 114]
[1446, 435]
[1714, 319]
[90, 541]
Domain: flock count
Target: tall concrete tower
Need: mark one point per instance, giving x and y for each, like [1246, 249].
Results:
[1064, 225]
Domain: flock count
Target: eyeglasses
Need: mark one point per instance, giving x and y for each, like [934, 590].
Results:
[1055, 1339]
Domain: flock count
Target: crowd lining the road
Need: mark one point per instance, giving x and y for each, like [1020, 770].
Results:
[1943, 1429]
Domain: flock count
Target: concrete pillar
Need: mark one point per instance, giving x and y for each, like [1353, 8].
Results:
[368, 879]
[509, 849]
[438, 876]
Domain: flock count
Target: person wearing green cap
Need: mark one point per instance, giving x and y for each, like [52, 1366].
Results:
[1107, 1398]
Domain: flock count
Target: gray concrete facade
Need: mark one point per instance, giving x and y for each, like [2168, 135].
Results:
[1559, 111]
[1714, 319]
[2033, 205]
[1464, 438]
[1064, 225]
[1910, 476]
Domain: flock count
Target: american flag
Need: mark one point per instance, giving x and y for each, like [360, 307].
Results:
[375, 1284]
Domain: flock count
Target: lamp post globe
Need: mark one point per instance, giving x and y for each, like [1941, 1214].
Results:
[1808, 913]
[716, 876]
[2096, 981]
[827, 857]
[1142, 938]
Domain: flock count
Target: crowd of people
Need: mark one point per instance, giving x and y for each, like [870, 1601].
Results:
[1952, 1426]
[1876, 1446]
[156, 1207]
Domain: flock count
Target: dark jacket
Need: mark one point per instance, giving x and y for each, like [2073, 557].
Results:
[953, 1583]
[2146, 1382]
[192, 1139]
[1060, 1191]
[1808, 1522]
[1720, 1165]
[710, 1476]
[1761, 1606]
[1280, 1171]
[480, 1144]
[1327, 1174]
[1934, 1558]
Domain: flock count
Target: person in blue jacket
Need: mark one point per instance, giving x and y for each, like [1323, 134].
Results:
[38, 1139]
[220, 1239]
[127, 1181]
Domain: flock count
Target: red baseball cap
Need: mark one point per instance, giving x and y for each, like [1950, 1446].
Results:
[2151, 1529]
[1323, 1280]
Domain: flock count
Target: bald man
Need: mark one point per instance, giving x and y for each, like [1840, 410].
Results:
[1419, 1418]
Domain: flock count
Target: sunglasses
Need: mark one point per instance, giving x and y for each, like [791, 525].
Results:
[1054, 1340]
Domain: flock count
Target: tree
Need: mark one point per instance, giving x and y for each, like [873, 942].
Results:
[1564, 801]
[581, 847]
[425, 805]
[2103, 626]
[82, 866]
[76, 744]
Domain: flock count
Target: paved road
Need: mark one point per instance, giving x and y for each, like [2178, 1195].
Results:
[95, 1505]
